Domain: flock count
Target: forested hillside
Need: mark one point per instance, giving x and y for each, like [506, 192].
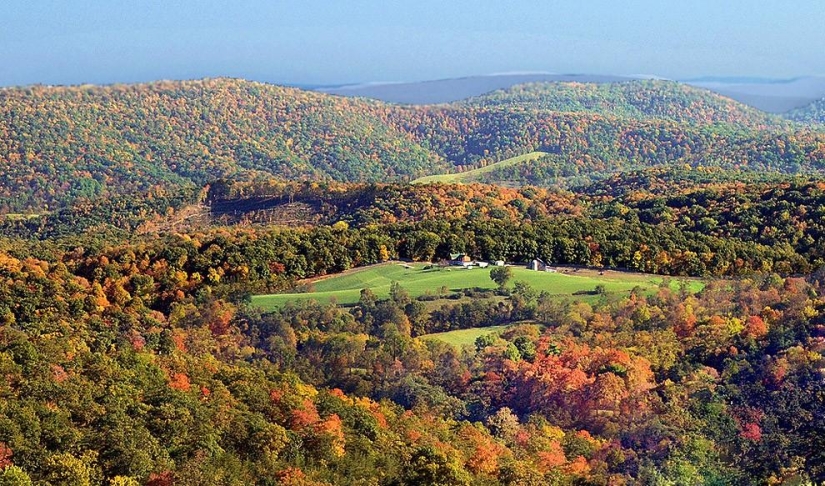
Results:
[666, 100]
[548, 280]
[139, 360]
[715, 225]
[61, 145]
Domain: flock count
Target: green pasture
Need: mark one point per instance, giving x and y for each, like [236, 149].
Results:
[463, 337]
[346, 288]
[469, 176]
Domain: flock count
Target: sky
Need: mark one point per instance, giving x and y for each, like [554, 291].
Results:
[312, 42]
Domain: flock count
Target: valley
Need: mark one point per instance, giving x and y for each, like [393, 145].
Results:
[229, 282]
[419, 243]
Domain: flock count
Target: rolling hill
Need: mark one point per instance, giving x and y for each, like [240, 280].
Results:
[665, 100]
[769, 95]
[60, 145]
[64, 143]
[157, 323]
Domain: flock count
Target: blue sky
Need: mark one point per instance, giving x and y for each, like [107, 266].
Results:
[337, 41]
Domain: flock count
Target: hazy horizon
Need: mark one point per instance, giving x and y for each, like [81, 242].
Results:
[321, 43]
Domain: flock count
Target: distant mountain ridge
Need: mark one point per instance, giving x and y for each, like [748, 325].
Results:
[774, 96]
[813, 114]
[456, 89]
[769, 95]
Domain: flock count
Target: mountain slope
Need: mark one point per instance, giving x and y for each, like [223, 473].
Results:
[587, 145]
[61, 145]
[769, 95]
[475, 174]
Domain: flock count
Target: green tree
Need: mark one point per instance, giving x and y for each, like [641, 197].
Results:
[501, 276]
[66, 469]
[14, 476]
[399, 295]
[431, 466]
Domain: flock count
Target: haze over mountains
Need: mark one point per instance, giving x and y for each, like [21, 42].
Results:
[456, 89]
[773, 96]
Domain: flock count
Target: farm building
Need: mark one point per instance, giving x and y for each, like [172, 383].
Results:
[538, 265]
[460, 260]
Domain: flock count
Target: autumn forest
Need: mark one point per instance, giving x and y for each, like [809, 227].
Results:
[139, 223]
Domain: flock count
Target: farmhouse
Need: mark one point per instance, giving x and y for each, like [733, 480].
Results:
[460, 260]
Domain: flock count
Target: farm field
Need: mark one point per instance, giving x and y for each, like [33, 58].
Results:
[470, 175]
[463, 337]
[415, 279]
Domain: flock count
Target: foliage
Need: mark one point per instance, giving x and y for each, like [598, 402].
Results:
[66, 145]
[132, 362]
[501, 275]
[634, 99]
[130, 352]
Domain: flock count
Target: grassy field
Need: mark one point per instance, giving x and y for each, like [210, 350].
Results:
[464, 337]
[346, 288]
[471, 175]
[19, 216]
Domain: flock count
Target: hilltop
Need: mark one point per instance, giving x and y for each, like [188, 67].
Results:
[665, 100]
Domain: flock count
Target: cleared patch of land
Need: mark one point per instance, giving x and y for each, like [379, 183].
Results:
[464, 337]
[20, 216]
[471, 175]
[346, 288]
